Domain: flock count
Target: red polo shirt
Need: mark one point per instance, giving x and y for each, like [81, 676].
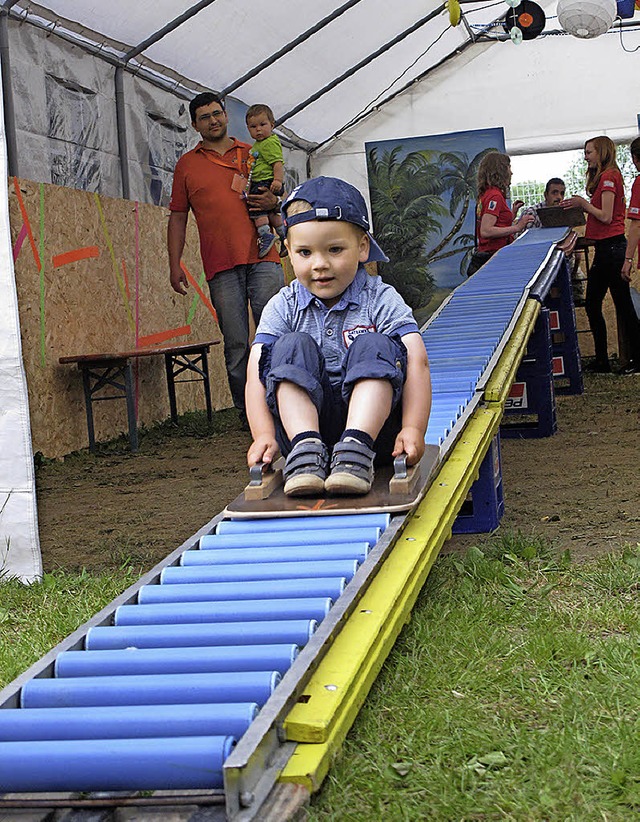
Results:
[610, 180]
[493, 202]
[202, 182]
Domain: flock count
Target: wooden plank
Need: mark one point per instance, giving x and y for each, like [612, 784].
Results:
[378, 499]
[181, 348]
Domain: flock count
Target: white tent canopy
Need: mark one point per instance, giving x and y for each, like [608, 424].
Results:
[369, 49]
[336, 74]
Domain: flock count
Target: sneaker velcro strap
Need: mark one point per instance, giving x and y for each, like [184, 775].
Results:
[309, 457]
[353, 456]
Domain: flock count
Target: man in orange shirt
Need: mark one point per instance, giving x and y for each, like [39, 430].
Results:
[210, 180]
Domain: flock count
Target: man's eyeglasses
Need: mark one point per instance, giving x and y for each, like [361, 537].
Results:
[204, 118]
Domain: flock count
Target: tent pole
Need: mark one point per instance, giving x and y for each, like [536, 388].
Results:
[158, 35]
[7, 96]
[360, 65]
[121, 125]
[289, 47]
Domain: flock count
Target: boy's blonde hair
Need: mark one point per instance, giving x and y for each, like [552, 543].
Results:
[298, 207]
[260, 108]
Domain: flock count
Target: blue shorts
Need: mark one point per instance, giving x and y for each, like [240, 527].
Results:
[298, 358]
[255, 186]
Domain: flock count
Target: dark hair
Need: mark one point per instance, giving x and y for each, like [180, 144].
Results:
[554, 181]
[260, 108]
[606, 150]
[634, 148]
[203, 99]
[494, 171]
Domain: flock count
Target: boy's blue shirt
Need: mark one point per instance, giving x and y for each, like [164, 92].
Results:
[367, 305]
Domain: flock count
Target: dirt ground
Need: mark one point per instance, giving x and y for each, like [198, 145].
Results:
[580, 488]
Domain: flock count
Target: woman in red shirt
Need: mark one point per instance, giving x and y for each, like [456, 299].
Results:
[495, 224]
[605, 226]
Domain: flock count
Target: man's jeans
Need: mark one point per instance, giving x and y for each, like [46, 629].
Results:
[231, 291]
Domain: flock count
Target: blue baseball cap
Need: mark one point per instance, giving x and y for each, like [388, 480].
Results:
[333, 199]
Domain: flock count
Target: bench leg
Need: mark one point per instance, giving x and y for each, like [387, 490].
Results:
[131, 406]
[88, 404]
[207, 385]
[171, 386]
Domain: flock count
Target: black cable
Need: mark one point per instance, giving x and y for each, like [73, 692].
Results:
[624, 48]
[393, 82]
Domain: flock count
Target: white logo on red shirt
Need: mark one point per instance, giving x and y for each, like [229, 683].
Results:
[634, 211]
[350, 334]
[492, 205]
[609, 184]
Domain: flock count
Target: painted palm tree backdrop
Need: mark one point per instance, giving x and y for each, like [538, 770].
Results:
[423, 193]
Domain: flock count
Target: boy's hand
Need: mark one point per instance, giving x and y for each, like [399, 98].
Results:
[263, 449]
[276, 187]
[411, 442]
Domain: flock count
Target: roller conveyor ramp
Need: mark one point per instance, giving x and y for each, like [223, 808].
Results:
[240, 662]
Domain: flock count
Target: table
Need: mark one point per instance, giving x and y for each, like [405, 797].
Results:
[115, 370]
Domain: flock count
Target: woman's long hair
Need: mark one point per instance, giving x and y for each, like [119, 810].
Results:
[606, 152]
[494, 171]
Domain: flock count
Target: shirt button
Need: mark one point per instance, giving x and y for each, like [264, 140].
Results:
[329, 332]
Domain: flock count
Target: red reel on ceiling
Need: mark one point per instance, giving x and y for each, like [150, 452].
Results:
[526, 16]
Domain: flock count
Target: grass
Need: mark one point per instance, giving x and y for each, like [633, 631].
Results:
[34, 618]
[513, 694]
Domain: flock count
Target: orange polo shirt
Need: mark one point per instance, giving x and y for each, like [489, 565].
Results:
[202, 182]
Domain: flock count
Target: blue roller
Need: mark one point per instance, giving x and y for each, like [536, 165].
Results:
[321, 536]
[126, 721]
[466, 361]
[438, 348]
[226, 591]
[176, 574]
[447, 384]
[114, 764]
[470, 327]
[287, 553]
[151, 689]
[176, 661]
[254, 610]
[293, 631]
[281, 524]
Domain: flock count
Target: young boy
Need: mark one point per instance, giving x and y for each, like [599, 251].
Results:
[337, 364]
[267, 171]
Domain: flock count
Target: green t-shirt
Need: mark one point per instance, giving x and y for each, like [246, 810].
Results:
[269, 151]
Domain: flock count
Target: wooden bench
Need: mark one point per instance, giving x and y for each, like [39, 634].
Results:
[115, 370]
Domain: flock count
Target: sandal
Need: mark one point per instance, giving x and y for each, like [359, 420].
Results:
[305, 469]
[351, 468]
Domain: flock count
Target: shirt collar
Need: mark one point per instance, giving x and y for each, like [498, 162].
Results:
[350, 296]
[236, 144]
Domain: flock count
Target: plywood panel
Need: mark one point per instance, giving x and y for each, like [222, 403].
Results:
[112, 296]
